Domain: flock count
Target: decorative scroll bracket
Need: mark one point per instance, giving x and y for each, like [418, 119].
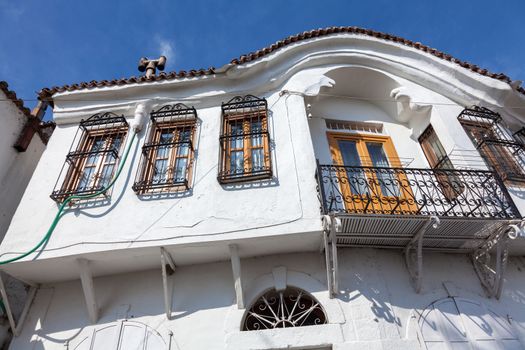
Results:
[490, 260]
[414, 253]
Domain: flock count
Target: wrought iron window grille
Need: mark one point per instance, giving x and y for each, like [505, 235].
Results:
[520, 135]
[244, 141]
[167, 158]
[402, 191]
[501, 150]
[93, 156]
[284, 309]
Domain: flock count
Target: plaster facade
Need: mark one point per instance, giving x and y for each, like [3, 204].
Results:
[16, 168]
[230, 243]
[376, 308]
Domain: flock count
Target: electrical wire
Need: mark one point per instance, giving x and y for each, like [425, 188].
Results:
[62, 207]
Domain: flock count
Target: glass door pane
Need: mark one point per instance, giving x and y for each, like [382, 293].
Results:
[356, 176]
[387, 180]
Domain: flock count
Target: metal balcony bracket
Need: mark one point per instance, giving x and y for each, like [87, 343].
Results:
[86, 278]
[237, 275]
[490, 260]
[331, 225]
[414, 253]
[168, 268]
[17, 328]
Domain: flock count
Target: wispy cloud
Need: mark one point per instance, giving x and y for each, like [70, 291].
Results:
[166, 48]
[11, 10]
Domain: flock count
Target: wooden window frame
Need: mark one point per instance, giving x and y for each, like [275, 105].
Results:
[244, 111]
[444, 179]
[179, 119]
[405, 192]
[494, 150]
[106, 127]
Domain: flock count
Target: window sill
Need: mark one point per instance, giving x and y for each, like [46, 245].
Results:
[225, 178]
[146, 188]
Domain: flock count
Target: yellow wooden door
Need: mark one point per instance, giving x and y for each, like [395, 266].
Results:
[369, 174]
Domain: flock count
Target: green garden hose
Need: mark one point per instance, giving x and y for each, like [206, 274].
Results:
[68, 200]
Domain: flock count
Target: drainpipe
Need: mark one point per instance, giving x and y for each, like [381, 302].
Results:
[140, 116]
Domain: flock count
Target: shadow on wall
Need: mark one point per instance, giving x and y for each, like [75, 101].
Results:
[61, 314]
[373, 288]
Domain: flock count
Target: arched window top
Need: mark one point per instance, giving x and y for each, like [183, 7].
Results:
[287, 308]
[122, 335]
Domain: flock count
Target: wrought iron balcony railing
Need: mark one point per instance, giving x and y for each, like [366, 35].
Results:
[400, 191]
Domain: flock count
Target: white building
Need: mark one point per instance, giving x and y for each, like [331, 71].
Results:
[22, 140]
[257, 200]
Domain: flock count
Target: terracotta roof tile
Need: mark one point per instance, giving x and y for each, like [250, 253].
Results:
[48, 92]
[11, 95]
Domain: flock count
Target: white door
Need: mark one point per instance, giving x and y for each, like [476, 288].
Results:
[457, 323]
[123, 335]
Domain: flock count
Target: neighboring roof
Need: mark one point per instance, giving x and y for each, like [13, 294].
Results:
[11, 95]
[44, 129]
[48, 92]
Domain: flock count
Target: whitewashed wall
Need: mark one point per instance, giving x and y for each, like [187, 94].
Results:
[375, 309]
[210, 212]
[16, 168]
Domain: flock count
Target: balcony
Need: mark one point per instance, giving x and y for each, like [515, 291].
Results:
[460, 211]
[386, 207]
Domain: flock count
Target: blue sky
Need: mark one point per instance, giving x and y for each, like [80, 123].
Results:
[46, 43]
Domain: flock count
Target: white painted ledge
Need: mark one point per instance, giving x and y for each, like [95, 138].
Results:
[391, 344]
[286, 338]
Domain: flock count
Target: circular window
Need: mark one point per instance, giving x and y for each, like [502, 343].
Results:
[288, 308]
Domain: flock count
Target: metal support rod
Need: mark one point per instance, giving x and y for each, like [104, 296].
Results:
[237, 273]
[414, 253]
[165, 259]
[335, 223]
[10, 317]
[328, 262]
[89, 290]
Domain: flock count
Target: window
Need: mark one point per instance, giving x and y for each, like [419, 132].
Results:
[167, 157]
[375, 128]
[90, 167]
[369, 174]
[449, 182]
[287, 308]
[502, 152]
[244, 140]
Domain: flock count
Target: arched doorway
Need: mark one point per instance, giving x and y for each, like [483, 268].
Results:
[458, 323]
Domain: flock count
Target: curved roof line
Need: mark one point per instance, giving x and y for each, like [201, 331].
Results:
[252, 56]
